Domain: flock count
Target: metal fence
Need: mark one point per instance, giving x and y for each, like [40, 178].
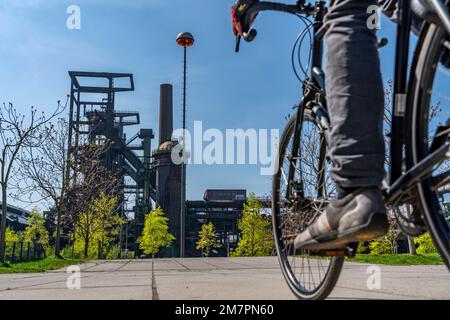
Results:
[24, 251]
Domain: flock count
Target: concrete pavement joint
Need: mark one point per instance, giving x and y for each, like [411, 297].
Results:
[178, 262]
[219, 279]
[59, 281]
[88, 287]
[122, 266]
[155, 295]
[384, 292]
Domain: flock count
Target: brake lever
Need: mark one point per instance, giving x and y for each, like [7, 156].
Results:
[238, 43]
[248, 36]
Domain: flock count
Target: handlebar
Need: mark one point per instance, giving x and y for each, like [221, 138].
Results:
[250, 34]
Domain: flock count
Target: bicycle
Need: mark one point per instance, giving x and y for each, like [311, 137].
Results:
[419, 173]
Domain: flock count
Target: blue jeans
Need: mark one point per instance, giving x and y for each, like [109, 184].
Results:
[355, 94]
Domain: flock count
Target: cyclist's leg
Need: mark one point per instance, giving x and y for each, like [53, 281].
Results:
[356, 104]
[355, 96]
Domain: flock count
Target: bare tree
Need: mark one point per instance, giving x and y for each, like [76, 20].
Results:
[434, 113]
[91, 179]
[387, 119]
[16, 133]
[42, 171]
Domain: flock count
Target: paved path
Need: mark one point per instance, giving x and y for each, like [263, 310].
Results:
[217, 278]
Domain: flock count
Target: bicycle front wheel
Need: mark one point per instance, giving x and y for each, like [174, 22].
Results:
[309, 277]
[429, 129]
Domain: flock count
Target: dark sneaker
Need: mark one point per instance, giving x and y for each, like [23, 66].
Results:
[360, 216]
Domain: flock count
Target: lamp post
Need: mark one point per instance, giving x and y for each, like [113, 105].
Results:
[185, 40]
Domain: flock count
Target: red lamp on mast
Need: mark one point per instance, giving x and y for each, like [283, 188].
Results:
[185, 40]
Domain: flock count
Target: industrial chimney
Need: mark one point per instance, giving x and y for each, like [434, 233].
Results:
[165, 113]
[168, 174]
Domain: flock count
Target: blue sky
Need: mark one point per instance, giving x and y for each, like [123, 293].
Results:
[253, 89]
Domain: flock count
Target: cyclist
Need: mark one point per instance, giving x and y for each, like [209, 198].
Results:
[356, 104]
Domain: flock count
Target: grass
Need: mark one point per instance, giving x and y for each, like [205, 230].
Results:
[49, 263]
[52, 263]
[393, 259]
[398, 259]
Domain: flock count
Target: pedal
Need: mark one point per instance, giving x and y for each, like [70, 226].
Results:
[349, 251]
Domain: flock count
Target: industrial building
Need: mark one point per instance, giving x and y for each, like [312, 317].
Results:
[168, 175]
[16, 218]
[148, 177]
[221, 207]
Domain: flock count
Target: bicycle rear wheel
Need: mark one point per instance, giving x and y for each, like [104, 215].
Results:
[430, 128]
[309, 277]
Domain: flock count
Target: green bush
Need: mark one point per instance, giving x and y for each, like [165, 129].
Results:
[35, 232]
[49, 251]
[12, 236]
[9, 249]
[425, 244]
[256, 236]
[363, 248]
[113, 252]
[381, 246]
[67, 253]
[387, 243]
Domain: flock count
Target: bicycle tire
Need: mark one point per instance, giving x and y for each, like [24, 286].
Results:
[335, 264]
[425, 65]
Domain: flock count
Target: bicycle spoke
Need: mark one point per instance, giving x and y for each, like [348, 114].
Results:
[295, 215]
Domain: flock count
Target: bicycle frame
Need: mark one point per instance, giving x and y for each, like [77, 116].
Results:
[400, 183]
[317, 55]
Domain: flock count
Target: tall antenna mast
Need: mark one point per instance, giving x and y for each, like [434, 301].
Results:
[185, 40]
